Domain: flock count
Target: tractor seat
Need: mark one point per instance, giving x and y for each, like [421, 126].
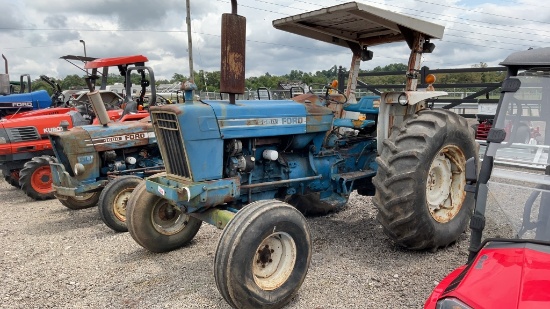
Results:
[366, 106]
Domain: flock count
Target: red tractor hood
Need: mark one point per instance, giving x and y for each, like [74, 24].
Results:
[503, 275]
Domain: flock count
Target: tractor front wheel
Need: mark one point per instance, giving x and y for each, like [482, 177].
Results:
[36, 178]
[263, 255]
[114, 199]
[13, 178]
[421, 179]
[157, 225]
[86, 200]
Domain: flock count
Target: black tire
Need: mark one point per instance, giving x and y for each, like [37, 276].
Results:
[155, 224]
[310, 204]
[13, 181]
[114, 199]
[423, 149]
[83, 201]
[35, 178]
[243, 253]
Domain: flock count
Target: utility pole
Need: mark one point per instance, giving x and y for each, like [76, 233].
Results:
[189, 41]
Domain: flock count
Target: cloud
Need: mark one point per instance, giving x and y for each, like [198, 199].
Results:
[474, 33]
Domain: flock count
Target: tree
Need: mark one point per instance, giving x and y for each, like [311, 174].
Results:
[73, 82]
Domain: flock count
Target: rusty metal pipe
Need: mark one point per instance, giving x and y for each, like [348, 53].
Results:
[279, 182]
[5, 63]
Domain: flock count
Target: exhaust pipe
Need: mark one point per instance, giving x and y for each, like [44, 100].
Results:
[99, 107]
[5, 79]
[233, 53]
[5, 63]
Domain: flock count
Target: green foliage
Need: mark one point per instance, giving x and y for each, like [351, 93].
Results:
[39, 84]
[73, 82]
[210, 81]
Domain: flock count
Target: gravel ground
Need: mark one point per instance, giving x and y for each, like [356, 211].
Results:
[53, 257]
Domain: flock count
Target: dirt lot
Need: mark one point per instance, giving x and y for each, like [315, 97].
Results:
[53, 257]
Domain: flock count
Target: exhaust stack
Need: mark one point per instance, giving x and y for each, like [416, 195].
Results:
[5, 79]
[99, 107]
[233, 53]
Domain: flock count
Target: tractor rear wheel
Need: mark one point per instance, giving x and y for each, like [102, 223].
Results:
[157, 225]
[85, 200]
[114, 199]
[263, 255]
[421, 179]
[36, 178]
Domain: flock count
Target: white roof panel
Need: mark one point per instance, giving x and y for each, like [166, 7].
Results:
[358, 23]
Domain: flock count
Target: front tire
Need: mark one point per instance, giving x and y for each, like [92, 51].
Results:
[157, 225]
[113, 201]
[86, 200]
[13, 178]
[263, 255]
[421, 178]
[36, 178]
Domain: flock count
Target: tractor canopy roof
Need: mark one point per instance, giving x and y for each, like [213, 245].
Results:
[116, 61]
[79, 58]
[357, 23]
[528, 59]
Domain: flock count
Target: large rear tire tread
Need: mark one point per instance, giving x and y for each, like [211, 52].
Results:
[26, 178]
[116, 220]
[401, 179]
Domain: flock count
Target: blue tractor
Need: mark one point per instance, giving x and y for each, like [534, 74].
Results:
[24, 100]
[252, 168]
[102, 163]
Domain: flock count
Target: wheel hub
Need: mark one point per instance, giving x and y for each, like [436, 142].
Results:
[445, 184]
[274, 261]
[41, 180]
[120, 204]
[168, 219]
[264, 256]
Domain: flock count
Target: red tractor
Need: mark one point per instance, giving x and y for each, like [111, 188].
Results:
[25, 149]
[510, 268]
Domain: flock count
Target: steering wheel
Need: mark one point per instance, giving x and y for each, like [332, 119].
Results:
[329, 99]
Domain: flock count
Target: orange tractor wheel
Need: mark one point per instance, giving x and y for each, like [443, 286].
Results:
[36, 178]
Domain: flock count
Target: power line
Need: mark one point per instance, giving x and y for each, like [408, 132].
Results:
[88, 30]
[446, 20]
[497, 36]
[485, 46]
[486, 13]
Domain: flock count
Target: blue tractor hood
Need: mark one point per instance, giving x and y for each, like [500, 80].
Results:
[194, 132]
[261, 118]
[25, 101]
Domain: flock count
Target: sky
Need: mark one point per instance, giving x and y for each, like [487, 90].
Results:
[35, 33]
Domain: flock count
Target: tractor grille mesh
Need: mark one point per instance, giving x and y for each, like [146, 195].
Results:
[23, 134]
[171, 144]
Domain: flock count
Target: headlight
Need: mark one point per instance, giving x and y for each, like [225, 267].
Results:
[402, 99]
[451, 303]
[79, 169]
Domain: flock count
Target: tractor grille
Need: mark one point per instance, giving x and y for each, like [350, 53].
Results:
[23, 134]
[171, 143]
